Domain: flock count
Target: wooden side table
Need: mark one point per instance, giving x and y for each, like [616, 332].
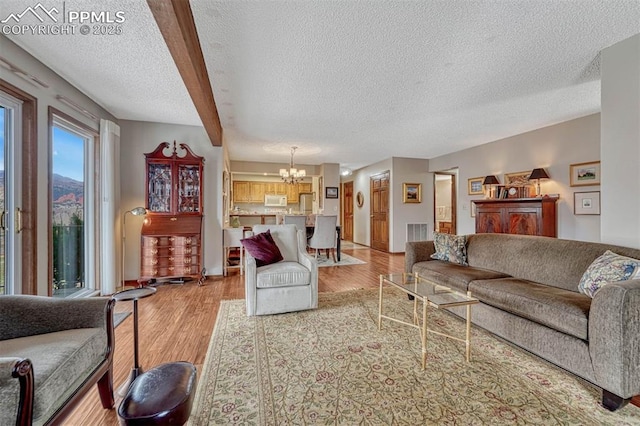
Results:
[134, 294]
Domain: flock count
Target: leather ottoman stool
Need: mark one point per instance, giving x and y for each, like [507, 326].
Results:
[161, 396]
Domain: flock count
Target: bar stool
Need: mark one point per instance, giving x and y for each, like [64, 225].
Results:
[231, 240]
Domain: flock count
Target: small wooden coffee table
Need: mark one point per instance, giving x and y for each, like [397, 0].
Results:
[431, 294]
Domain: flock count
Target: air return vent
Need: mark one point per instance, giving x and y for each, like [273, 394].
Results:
[417, 232]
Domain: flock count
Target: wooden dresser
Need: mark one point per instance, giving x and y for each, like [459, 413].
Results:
[525, 216]
[172, 231]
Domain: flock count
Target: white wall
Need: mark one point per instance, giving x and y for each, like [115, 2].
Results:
[408, 170]
[138, 138]
[554, 148]
[620, 146]
[331, 177]
[46, 97]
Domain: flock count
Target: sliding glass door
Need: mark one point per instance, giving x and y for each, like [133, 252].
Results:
[10, 191]
[72, 209]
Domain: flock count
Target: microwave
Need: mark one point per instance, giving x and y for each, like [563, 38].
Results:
[275, 200]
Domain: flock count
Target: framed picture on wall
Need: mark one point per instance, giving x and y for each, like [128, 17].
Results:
[412, 192]
[331, 192]
[586, 202]
[517, 179]
[584, 174]
[475, 186]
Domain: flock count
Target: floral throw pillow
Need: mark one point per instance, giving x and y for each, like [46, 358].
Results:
[450, 248]
[608, 268]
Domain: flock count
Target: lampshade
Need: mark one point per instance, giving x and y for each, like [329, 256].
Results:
[490, 180]
[538, 174]
[138, 211]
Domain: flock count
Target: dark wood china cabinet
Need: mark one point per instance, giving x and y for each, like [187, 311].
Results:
[172, 231]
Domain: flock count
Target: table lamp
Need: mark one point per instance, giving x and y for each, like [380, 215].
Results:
[490, 181]
[538, 174]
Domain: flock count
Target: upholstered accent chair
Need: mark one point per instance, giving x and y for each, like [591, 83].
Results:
[324, 235]
[52, 351]
[286, 286]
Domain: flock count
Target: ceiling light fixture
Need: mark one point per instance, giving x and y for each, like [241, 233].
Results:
[293, 175]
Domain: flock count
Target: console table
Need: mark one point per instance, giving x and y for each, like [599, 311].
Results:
[525, 216]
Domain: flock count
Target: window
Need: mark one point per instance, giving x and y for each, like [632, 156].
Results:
[72, 210]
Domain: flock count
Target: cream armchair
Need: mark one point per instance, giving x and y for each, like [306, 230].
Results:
[286, 286]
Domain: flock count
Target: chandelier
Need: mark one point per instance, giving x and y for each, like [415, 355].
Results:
[293, 175]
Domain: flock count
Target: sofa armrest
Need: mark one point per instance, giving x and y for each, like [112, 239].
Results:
[17, 389]
[614, 337]
[23, 315]
[417, 251]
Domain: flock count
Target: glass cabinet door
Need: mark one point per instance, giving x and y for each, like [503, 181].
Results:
[188, 188]
[159, 188]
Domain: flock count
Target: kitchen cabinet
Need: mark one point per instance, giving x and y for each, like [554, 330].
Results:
[525, 216]
[304, 187]
[172, 231]
[254, 191]
[257, 192]
[241, 192]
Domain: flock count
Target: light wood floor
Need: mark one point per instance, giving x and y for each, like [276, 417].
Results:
[176, 323]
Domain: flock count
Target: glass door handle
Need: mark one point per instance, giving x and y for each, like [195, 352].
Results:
[18, 220]
[2, 221]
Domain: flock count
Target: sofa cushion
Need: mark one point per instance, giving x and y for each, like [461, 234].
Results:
[453, 275]
[450, 248]
[608, 268]
[282, 274]
[559, 309]
[263, 248]
[61, 361]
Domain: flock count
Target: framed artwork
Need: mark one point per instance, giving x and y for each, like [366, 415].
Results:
[412, 192]
[331, 192]
[586, 202]
[517, 179]
[475, 186]
[320, 192]
[472, 210]
[584, 174]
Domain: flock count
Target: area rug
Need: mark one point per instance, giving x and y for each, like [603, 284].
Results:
[345, 260]
[332, 366]
[118, 317]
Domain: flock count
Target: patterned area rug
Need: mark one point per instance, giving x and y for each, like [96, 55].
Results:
[345, 260]
[118, 317]
[333, 366]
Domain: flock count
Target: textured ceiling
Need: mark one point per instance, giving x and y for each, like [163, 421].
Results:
[355, 82]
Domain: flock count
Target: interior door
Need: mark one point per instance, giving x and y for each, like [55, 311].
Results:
[445, 202]
[347, 212]
[380, 211]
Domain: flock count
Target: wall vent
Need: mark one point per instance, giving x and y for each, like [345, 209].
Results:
[417, 232]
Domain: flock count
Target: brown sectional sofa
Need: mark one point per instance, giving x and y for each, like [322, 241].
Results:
[528, 292]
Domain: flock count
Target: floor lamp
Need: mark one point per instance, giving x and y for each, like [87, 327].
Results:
[137, 211]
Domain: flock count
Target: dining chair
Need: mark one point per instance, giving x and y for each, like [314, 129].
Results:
[299, 221]
[324, 235]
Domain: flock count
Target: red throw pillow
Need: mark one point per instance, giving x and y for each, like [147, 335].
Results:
[263, 248]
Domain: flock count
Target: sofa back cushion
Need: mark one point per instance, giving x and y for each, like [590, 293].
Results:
[550, 261]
